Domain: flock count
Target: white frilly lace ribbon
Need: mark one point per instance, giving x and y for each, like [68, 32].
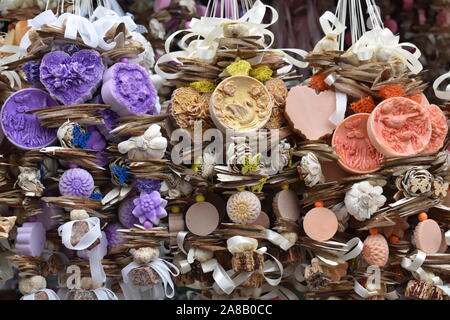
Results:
[162, 267]
[415, 266]
[95, 256]
[50, 294]
[208, 31]
[442, 94]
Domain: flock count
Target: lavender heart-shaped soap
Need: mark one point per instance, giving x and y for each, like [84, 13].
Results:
[22, 129]
[127, 88]
[72, 79]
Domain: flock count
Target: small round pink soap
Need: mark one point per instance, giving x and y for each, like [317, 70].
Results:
[352, 144]
[428, 236]
[308, 112]
[399, 127]
[286, 205]
[439, 128]
[202, 218]
[320, 224]
[262, 220]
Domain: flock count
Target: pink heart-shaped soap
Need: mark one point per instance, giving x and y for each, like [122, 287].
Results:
[72, 79]
[308, 112]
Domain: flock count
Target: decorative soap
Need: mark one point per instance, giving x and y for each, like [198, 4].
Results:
[241, 104]
[76, 182]
[320, 224]
[127, 88]
[30, 240]
[202, 218]
[72, 79]
[428, 236]
[22, 129]
[286, 205]
[439, 128]
[243, 207]
[399, 127]
[356, 152]
[308, 112]
[376, 250]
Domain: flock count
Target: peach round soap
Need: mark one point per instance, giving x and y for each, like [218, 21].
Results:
[399, 127]
[376, 250]
[320, 224]
[356, 152]
[308, 112]
[439, 128]
[428, 236]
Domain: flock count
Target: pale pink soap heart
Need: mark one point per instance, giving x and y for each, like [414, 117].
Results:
[72, 79]
[399, 127]
[309, 112]
[320, 224]
[30, 240]
[439, 128]
[351, 141]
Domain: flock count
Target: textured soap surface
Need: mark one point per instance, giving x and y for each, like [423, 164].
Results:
[22, 129]
[72, 79]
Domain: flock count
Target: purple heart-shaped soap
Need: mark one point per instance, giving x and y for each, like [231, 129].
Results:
[127, 88]
[22, 129]
[72, 79]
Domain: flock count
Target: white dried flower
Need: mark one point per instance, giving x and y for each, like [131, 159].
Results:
[363, 200]
[342, 215]
[146, 58]
[29, 180]
[311, 170]
[188, 4]
[208, 164]
[151, 145]
[157, 29]
[175, 189]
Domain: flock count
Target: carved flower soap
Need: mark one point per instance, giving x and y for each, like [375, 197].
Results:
[72, 79]
[127, 88]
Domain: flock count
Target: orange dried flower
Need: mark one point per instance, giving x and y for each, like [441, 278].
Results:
[417, 98]
[392, 92]
[318, 83]
[365, 105]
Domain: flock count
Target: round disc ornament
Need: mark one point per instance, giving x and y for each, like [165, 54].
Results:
[399, 127]
[320, 224]
[356, 152]
[240, 103]
[22, 129]
[202, 218]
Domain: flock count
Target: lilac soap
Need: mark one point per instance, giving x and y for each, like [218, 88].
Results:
[126, 216]
[22, 129]
[30, 240]
[48, 212]
[127, 88]
[113, 235]
[76, 182]
[72, 79]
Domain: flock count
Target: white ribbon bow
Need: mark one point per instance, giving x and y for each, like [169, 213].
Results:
[331, 25]
[104, 294]
[50, 294]
[383, 44]
[208, 31]
[442, 94]
[364, 293]
[162, 267]
[95, 255]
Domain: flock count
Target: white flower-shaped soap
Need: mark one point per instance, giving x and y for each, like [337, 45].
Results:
[363, 200]
[311, 170]
[151, 145]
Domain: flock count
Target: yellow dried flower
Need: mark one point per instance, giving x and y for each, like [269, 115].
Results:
[262, 73]
[239, 68]
[203, 86]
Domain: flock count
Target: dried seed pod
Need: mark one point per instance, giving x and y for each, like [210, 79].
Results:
[423, 290]
[144, 276]
[247, 261]
[415, 182]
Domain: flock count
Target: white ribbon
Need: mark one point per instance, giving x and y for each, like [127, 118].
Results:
[415, 266]
[95, 255]
[341, 106]
[106, 19]
[163, 268]
[442, 94]
[12, 76]
[382, 43]
[208, 30]
[277, 239]
[447, 237]
[50, 294]
[350, 250]
[331, 25]
[104, 294]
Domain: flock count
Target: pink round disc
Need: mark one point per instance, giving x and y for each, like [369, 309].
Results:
[399, 127]
[308, 112]
[444, 246]
[202, 218]
[428, 236]
[320, 224]
[356, 153]
[286, 205]
[262, 220]
[439, 128]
